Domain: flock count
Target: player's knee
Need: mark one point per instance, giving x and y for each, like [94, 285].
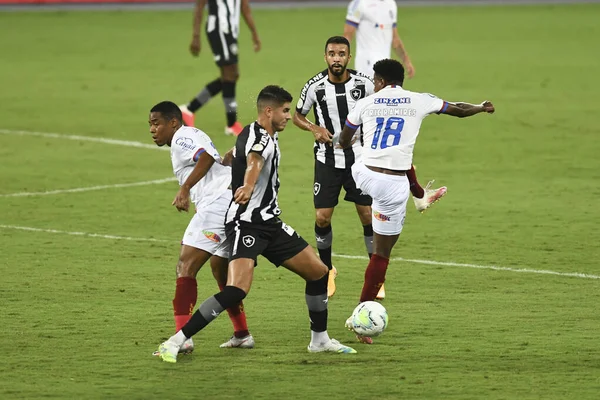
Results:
[230, 295]
[323, 218]
[318, 271]
[187, 268]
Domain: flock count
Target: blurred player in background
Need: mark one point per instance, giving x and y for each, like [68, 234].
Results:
[197, 166]
[254, 228]
[391, 119]
[222, 30]
[374, 24]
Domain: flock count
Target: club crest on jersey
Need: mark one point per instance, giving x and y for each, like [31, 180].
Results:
[248, 241]
[357, 93]
[316, 188]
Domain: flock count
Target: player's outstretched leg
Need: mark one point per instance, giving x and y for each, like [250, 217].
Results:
[423, 197]
[206, 313]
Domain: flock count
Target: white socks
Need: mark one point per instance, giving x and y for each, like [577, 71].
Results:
[319, 337]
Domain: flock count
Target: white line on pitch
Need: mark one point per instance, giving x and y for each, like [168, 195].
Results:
[90, 188]
[492, 267]
[86, 234]
[426, 262]
[128, 143]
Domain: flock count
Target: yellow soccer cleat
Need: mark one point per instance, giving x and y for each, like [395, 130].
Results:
[331, 282]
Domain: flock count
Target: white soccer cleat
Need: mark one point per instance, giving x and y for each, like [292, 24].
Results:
[331, 346]
[431, 196]
[187, 115]
[247, 342]
[168, 351]
[186, 348]
[360, 338]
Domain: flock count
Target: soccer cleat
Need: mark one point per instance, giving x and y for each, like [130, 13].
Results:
[187, 115]
[332, 345]
[360, 338]
[187, 348]
[430, 197]
[247, 342]
[331, 282]
[381, 293]
[234, 129]
[168, 351]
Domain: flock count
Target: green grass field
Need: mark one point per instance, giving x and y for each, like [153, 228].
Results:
[81, 314]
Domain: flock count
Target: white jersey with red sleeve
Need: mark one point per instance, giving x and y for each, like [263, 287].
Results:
[374, 21]
[391, 119]
[186, 147]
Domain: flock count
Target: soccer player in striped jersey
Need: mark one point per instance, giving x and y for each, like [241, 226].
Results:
[254, 228]
[374, 24]
[222, 30]
[202, 177]
[391, 119]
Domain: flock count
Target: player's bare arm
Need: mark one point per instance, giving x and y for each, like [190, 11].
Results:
[228, 158]
[400, 50]
[182, 199]
[255, 164]
[346, 137]
[198, 13]
[349, 32]
[322, 135]
[247, 14]
[462, 110]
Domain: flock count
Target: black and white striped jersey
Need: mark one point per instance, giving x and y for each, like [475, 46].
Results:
[224, 16]
[331, 103]
[263, 204]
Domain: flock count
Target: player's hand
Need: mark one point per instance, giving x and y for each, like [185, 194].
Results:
[410, 70]
[242, 194]
[195, 46]
[322, 135]
[488, 107]
[256, 41]
[182, 200]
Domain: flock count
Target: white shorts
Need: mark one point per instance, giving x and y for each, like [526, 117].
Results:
[390, 195]
[206, 230]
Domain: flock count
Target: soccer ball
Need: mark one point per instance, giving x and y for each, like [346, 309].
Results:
[369, 319]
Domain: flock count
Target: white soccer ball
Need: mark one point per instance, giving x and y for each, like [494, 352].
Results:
[369, 319]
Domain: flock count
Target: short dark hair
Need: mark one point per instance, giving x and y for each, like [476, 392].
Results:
[168, 110]
[390, 70]
[274, 95]
[337, 40]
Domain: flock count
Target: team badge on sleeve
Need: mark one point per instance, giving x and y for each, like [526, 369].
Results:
[258, 147]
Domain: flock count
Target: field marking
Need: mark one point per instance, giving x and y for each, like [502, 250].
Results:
[476, 266]
[400, 259]
[89, 188]
[86, 234]
[127, 143]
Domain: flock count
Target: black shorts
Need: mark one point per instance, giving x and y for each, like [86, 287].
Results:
[275, 240]
[328, 185]
[224, 47]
